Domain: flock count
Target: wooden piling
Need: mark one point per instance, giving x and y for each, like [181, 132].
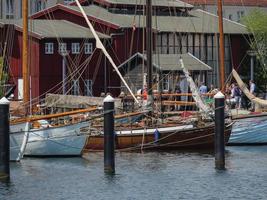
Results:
[109, 156]
[219, 131]
[4, 139]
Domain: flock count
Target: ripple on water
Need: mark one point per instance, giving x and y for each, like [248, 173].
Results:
[150, 175]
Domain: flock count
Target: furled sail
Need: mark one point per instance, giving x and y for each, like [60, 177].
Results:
[245, 90]
[206, 111]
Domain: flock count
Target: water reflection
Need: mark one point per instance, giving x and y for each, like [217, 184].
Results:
[148, 175]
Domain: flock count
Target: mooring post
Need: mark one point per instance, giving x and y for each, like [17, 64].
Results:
[109, 160]
[219, 131]
[4, 139]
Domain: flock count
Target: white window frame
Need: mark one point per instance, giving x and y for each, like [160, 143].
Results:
[68, 1]
[88, 87]
[88, 48]
[49, 48]
[75, 87]
[20, 88]
[75, 48]
[166, 82]
[9, 9]
[62, 48]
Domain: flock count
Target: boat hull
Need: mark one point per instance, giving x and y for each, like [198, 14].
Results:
[69, 145]
[16, 138]
[15, 145]
[249, 131]
[186, 138]
[53, 141]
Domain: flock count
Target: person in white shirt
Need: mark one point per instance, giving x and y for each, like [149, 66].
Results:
[203, 89]
[252, 87]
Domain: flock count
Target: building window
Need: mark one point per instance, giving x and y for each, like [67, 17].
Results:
[88, 48]
[75, 87]
[75, 48]
[240, 14]
[68, 1]
[165, 83]
[49, 48]
[88, 87]
[9, 9]
[39, 5]
[62, 48]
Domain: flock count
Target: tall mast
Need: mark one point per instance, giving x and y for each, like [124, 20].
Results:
[25, 67]
[149, 50]
[222, 70]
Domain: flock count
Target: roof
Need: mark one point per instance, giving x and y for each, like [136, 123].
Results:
[258, 3]
[55, 29]
[199, 21]
[158, 3]
[171, 62]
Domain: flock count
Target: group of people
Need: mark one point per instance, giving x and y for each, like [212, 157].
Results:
[234, 94]
[237, 98]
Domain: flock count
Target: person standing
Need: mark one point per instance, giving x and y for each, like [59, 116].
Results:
[237, 96]
[203, 89]
[252, 87]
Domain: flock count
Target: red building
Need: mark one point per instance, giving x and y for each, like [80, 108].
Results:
[55, 46]
[178, 28]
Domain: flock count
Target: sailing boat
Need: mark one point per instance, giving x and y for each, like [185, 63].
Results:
[249, 128]
[153, 136]
[34, 136]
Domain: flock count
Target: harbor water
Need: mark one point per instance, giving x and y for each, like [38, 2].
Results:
[149, 175]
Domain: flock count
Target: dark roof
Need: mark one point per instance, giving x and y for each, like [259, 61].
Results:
[171, 62]
[131, 3]
[158, 3]
[198, 21]
[55, 29]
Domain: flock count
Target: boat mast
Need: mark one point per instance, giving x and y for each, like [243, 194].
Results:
[149, 51]
[221, 49]
[25, 68]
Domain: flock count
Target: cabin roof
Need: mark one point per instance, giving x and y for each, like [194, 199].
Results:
[55, 29]
[170, 62]
[198, 21]
[157, 3]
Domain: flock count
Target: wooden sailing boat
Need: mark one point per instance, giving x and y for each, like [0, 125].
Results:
[155, 136]
[249, 127]
[44, 139]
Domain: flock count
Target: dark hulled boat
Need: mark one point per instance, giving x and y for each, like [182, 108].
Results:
[161, 138]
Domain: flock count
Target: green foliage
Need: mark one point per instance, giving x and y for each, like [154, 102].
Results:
[256, 23]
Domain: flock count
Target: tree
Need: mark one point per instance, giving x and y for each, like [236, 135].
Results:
[256, 23]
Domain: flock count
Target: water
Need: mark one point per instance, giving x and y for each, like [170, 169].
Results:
[160, 175]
